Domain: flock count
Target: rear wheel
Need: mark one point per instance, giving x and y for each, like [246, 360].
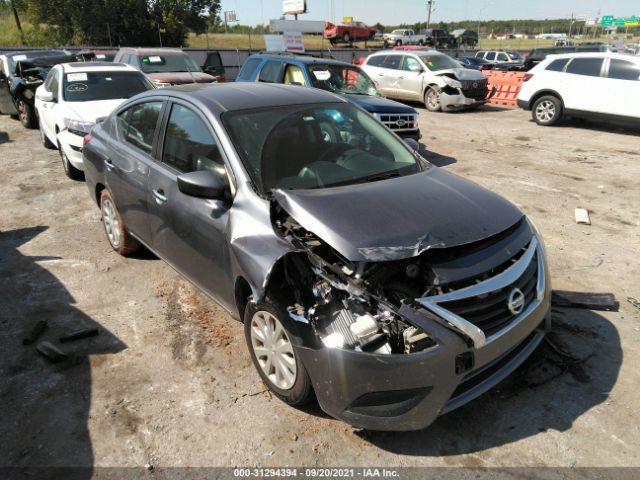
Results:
[346, 37]
[119, 239]
[547, 110]
[432, 99]
[421, 42]
[26, 114]
[273, 354]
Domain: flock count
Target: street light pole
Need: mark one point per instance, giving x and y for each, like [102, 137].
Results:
[429, 8]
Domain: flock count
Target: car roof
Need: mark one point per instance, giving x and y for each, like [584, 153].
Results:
[153, 51]
[620, 56]
[96, 67]
[222, 97]
[304, 59]
[430, 51]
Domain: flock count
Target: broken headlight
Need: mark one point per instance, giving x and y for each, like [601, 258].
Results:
[78, 127]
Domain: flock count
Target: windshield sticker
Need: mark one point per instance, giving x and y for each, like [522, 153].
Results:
[76, 77]
[155, 59]
[322, 74]
[77, 87]
[101, 56]
[18, 58]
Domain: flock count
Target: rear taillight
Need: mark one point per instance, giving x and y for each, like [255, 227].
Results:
[527, 77]
[86, 139]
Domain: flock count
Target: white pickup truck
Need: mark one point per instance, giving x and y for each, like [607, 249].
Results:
[404, 37]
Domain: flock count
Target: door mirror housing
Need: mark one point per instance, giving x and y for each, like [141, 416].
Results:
[412, 144]
[202, 184]
[45, 96]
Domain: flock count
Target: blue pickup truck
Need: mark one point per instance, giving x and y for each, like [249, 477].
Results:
[334, 76]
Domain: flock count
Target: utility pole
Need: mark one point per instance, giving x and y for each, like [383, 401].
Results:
[429, 8]
[571, 26]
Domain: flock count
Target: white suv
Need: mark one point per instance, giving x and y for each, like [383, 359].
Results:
[589, 85]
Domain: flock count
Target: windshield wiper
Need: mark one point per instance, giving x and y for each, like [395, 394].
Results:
[380, 176]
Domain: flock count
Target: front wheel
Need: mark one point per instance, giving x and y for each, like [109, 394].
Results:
[273, 354]
[26, 114]
[432, 99]
[398, 43]
[547, 110]
[69, 170]
[46, 143]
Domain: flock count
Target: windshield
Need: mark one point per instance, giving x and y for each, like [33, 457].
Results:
[317, 146]
[398, 32]
[168, 63]
[341, 79]
[439, 62]
[89, 86]
[12, 60]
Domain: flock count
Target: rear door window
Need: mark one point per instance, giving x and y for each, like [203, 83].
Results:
[137, 125]
[411, 64]
[271, 72]
[248, 70]
[557, 65]
[589, 67]
[376, 61]
[392, 62]
[491, 56]
[624, 70]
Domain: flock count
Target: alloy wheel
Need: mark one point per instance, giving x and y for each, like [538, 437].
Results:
[545, 111]
[273, 350]
[111, 223]
[433, 98]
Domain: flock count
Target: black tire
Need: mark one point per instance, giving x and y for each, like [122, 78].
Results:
[421, 42]
[547, 110]
[46, 143]
[346, 38]
[69, 170]
[26, 114]
[430, 96]
[125, 243]
[301, 390]
[398, 43]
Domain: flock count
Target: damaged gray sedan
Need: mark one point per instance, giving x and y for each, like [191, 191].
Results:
[392, 290]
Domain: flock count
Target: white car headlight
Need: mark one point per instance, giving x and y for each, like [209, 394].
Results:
[78, 127]
[451, 82]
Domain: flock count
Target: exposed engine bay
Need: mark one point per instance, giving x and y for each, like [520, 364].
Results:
[352, 305]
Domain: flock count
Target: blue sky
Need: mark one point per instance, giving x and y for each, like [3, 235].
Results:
[397, 11]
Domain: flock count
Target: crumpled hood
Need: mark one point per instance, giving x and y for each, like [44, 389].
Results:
[400, 217]
[91, 111]
[464, 73]
[374, 104]
[181, 77]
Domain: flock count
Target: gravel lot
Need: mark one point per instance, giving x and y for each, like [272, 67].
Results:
[169, 382]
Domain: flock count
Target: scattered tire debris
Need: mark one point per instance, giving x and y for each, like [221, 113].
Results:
[84, 332]
[590, 301]
[51, 352]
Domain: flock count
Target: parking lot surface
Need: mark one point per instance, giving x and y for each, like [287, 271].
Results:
[169, 382]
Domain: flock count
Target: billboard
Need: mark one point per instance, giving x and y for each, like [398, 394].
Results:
[288, 42]
[294, 7]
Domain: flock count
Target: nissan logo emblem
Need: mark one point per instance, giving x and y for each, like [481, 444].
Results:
[515, 301]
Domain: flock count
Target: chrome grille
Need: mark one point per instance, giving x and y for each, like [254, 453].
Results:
[480, 311]
[398, 122]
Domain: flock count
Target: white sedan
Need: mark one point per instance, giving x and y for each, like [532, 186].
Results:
[74, 97]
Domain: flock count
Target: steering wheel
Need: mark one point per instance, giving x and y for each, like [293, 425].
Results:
[334, 150]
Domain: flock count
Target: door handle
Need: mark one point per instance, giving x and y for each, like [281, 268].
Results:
[108, 164]
[381, 74]
[159, 196]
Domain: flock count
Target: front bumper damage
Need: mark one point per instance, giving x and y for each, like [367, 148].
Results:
[71, 145]
[408, 392]
[452, 99]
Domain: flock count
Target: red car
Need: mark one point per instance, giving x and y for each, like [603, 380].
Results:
[348, 32]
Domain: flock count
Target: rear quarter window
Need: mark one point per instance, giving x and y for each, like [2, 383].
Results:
[248, 70]
[557, 65]
[376, 61]
[623, 70]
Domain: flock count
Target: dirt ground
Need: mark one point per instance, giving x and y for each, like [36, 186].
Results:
[168, 381]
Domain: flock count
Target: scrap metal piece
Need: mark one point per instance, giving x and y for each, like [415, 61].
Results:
[582, 216]
[35, 332]
[51, 352]
[84, 332]
[590, 301]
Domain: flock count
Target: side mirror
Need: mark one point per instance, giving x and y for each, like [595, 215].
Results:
[412, 144]
[45, 96]
[202, 183]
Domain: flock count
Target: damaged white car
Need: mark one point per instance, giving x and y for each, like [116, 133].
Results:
[392, 290]
[428, 76]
